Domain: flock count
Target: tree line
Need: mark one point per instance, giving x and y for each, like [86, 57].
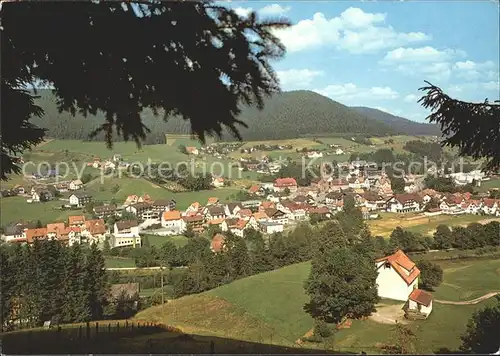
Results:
[51, 282]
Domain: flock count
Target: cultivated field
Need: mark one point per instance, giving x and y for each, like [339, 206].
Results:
[269, 308]
[420, 223]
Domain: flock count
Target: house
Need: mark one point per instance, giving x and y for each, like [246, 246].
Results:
[195, 222]
[231, 209]
[321, 212]
[126, 228]
[260, 216]
[62, 187]
[55, 230]
[244, 214]
[338, 184]
[104, 211]
[36, 234]
[95, 230]
[293, 210]
[403, 203]
[239, 228]
[218, 182]
[192, 151]
[214, 212]
[270, 227]
[472, 207]
[117, 157]
[41, 194]
[212, 201]
[359, 182]
[217, 243]
[314, 154]
[333, 198]
[373, 201]
[365, 213]
[277, 216]
[489, 206]
[267, 205]
[249, 204]
[133, 199]
[15, 233]
[257, 190]
[420, 302]
[75, 185]
[228, 224]
[397, 276]
[79, 199]
[193, 209]
[139, 209]
[281, 184]
[76, 220]
[339, 151]
[19, 189]
[162, 205]
[172, 221]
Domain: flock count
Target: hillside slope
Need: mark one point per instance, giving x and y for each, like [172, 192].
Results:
[287, 115]
[398, 123]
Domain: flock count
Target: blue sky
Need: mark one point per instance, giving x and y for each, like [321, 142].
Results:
[378, 54]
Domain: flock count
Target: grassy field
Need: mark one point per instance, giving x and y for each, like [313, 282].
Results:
[490, 184]
[418, 222]
[158, 241]
[102, 190]
[464, 280]
[269, 308]
[16, 208]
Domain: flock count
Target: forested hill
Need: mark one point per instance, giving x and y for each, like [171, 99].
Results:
[287, 115]
[401, 124]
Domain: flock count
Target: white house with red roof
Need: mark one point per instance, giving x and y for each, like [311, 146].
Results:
[281, 184]
[397, 276]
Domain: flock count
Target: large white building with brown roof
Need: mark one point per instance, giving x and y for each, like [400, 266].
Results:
[397, 276]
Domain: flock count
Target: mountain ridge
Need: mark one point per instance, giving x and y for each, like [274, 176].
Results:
[287, 115]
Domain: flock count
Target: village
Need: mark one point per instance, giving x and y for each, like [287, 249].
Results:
[273, 207]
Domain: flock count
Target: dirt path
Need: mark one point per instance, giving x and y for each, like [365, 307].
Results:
[469, 302]
[306, 335]
[389, 314]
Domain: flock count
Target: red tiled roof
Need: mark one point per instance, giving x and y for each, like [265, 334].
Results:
[253, 189]
[421, 297]
[403, 198]
[285, 182]
[402, 265]
[32, 234]
[322, 210]
[267, 204]
[96, 227]
[245, 212]
[489, 202]
[217, 242]
[55, 228]
[171, 215]
[76, 219]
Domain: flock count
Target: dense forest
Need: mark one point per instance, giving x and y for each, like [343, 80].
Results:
[398, 123]
[288, 115]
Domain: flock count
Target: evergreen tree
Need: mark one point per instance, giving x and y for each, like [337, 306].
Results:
[6, 287]
[431, 275]
[96, 282]
[237, 256]
[76, 307]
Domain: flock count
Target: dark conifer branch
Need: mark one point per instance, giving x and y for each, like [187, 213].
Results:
[474, 128]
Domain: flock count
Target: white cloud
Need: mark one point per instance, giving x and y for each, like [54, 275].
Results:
[274, 10]
[422, 54]
[269, 10]
[297, 78]
[470, 70]
[354, 30]
[243, 11]
[429, 62]
[349, 92]
[491, 86]
[411, 98]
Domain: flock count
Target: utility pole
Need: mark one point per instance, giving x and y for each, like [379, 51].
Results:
[161, 284]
